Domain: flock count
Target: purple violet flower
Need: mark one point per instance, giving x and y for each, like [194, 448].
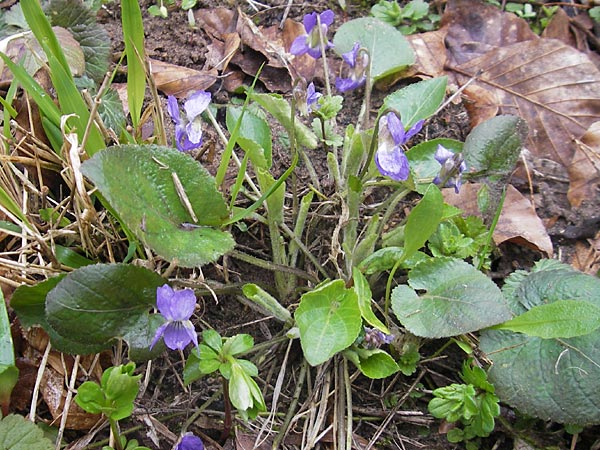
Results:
[311, 42]
[375, 338]
[453, 165]
[389, 157]
[188, 129]
[176, 307]
[358, 62]
[306, 98]
[190, 442]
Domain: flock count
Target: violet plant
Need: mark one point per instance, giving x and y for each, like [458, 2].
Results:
[174, 215]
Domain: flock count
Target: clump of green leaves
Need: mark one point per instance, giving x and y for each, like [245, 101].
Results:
[160, 8]
[472, 404]
[461, 237]
[113, 398]
[538, 20]
[413, 17]
[221, 354]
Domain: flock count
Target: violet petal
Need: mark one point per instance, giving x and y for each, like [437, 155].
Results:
[393, 164]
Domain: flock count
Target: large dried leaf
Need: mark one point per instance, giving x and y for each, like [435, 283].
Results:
[254, 46]
[518, 221]
[555, 88]
[180, 81]
[476, 28]
[550, 84]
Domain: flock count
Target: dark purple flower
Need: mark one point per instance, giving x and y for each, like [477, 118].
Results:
[453, 165]
[389, 157]
[176, 307]
[375, 338]
[190, 442]
[358, 61]
[311, 41]
[188, 129]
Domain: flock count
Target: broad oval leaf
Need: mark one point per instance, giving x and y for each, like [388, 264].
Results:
[494, 146]
[561, 319]
[553, 379]
[417, 101]
[389, 50]
[96, 304]
[254, 135]
[329, 321]
[141, 184]
[459, 299]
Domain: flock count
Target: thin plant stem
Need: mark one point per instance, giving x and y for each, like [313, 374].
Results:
[228, 421]
[323, 56]
[488, 240]
[115, 431]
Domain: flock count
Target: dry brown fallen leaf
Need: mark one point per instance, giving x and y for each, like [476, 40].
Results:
[180, 81]
[518, 221]
[236, 40]
[584, 170]
[553, 86]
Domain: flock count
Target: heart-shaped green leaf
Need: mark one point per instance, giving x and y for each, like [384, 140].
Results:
[97, 304]
[553, 379]
[148, 187]
[18, 433]
[329, 321]
[389, 50]
[417, 101]
[458, 299]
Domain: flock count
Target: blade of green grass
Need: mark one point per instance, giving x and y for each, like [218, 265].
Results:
[69, 97]
[9, 374]
[133, 35]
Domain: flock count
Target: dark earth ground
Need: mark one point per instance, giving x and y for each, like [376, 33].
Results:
[171, 40]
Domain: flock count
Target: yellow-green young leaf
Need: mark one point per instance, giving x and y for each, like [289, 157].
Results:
[561, 319]
[133, 35]
[422, 221]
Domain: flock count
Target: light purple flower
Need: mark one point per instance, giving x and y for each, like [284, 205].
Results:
[311, 42]
[190, 442]
[389, 157]
[188, 129]
[358, 61]
[453, 165]
[312, 97]
[306, 98]
[176, 307]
